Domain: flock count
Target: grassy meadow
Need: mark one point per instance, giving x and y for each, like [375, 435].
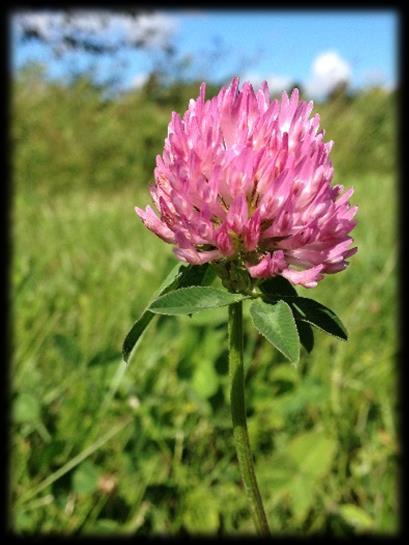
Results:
[97, 448]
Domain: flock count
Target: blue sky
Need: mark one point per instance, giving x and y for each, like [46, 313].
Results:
[290, 41]
[276, 45]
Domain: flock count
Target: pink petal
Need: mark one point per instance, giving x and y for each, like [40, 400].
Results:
[197, 258]
[153, 223]
[252, 232]
[237, 215]
[307, 278]
[270, 265]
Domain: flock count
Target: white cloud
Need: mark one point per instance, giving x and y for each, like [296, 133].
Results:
[276, 82]
[328, 70]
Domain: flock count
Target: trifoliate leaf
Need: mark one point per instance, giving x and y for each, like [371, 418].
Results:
[276, 322]
[306, 335]
[278, 286]
[315, 313]
[194, 299]
[180, 275]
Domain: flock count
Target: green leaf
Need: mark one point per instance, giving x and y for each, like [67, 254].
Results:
[68, 349]
[313, 453]
[85, 478]
[195, 275]
[278, 286]
[180, 275]
[106, 526]
[301, 500]
[319, 316]
[104, 356]
[135, 334]
[355, 516]
[26, 408]
[306, 335]
[200, 514]
[205, 380]
[194, 299]
[209, 317]
[276, 322]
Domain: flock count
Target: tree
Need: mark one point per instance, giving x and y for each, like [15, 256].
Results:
[98, 42]
[95, 31]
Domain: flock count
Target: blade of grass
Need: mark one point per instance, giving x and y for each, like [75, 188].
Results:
[73, 463]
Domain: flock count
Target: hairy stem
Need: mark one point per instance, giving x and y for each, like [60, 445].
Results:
[238, 411]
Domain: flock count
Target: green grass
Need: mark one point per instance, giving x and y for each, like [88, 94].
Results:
[159, 431]
[98, 447]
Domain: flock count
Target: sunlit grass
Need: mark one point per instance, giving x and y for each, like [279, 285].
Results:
[83, 268]
[98, 447]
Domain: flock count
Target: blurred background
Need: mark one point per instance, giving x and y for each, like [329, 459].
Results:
[98, 448]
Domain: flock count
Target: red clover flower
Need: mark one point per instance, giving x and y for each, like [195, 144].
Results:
[247, 179]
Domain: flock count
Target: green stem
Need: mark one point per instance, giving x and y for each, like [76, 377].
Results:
[238, 411]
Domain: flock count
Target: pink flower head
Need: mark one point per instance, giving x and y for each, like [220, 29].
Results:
[246, 178]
